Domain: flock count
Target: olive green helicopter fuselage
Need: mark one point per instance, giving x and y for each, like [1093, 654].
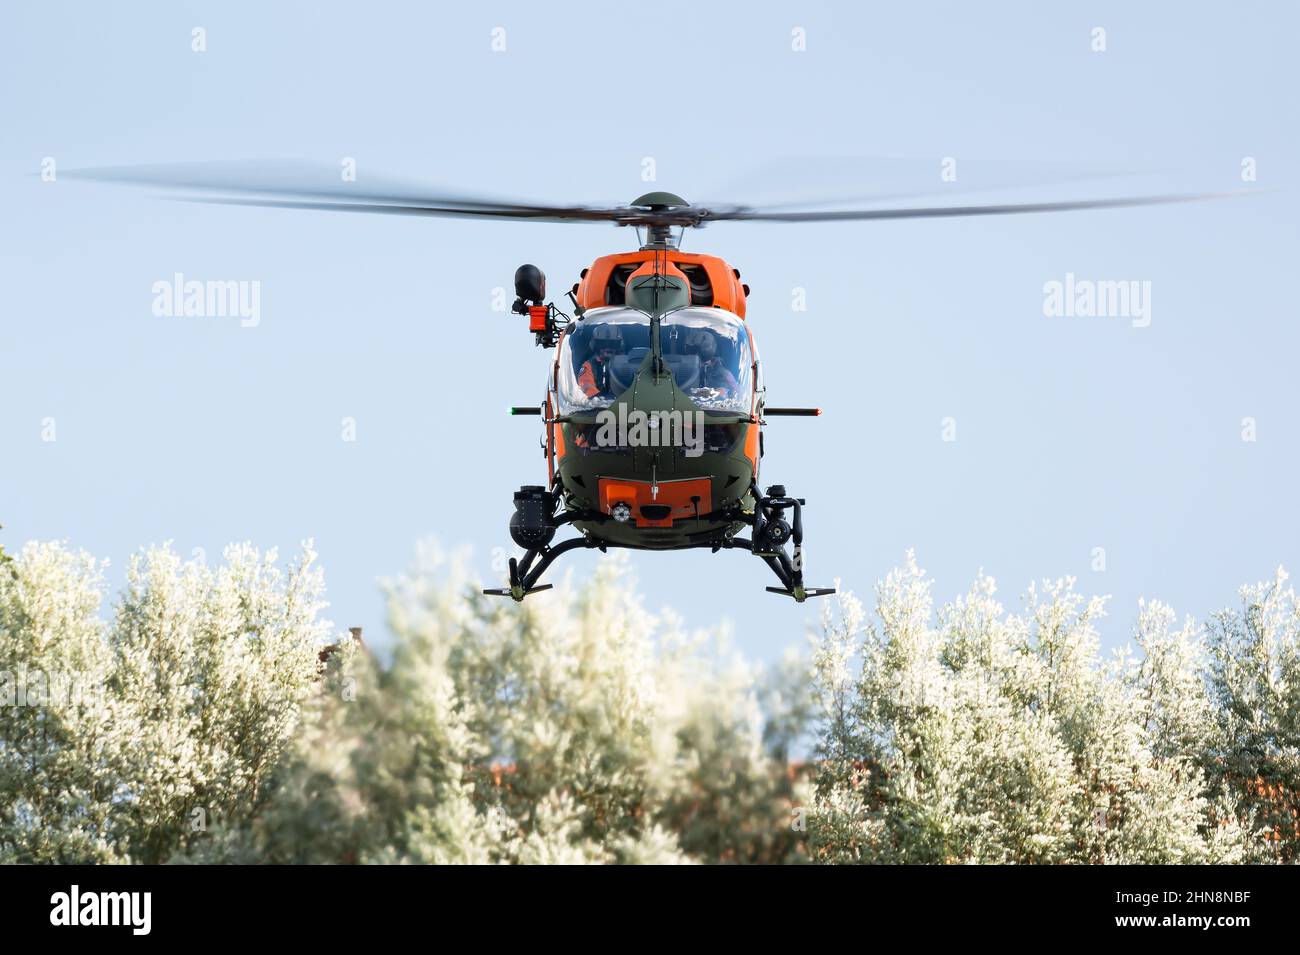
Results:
[652, 418]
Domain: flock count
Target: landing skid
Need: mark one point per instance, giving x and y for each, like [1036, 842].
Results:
[524, 576]
[807, 592]
[503, 592]
[771, 532]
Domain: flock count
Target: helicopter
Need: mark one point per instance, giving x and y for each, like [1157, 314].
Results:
[655, 400]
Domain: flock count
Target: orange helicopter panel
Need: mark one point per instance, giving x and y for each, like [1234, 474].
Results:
[712, 281]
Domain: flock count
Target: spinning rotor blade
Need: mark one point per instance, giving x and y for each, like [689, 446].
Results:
[295, 185]
[943, 212]
[810, 182]
[448, 210]
[299, 185]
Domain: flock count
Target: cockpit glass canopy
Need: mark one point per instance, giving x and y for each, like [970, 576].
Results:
[706, 350]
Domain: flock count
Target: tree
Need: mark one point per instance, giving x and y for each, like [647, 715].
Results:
[1255, 685]
[215, 716]
[580, 729]
[124, 741]
[996, 738]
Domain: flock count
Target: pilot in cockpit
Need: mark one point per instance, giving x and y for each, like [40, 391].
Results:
[713, 373]
[593, 378]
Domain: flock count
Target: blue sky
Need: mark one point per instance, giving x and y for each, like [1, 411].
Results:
[1071, 433]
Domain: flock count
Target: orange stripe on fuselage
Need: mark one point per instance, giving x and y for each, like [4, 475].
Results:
[751, 446]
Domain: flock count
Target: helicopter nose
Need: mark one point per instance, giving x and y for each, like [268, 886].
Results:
[647, 398]
[650, 393]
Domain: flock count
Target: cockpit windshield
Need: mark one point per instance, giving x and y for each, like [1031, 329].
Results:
[600, 356]
[706, 350]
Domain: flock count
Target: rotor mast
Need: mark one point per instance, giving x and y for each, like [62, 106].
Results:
[661, 211]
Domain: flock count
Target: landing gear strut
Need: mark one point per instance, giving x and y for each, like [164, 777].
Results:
[534, 523]
[532, 527]
[771, 532]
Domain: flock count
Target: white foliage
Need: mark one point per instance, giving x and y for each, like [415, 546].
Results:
[189, 697]
[582, 727]
[578, 728]
[977, 736]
